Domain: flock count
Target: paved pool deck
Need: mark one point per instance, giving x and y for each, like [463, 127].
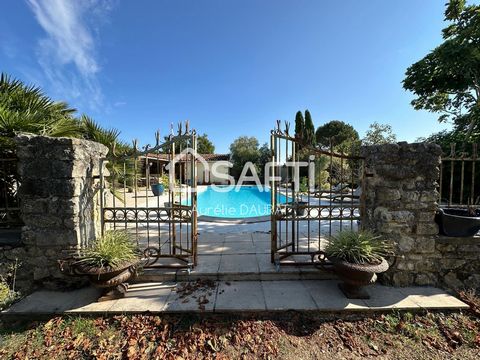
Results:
[236, 296]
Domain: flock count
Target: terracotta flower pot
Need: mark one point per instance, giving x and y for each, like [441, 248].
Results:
[356, 276]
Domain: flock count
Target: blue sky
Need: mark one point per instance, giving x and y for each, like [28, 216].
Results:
[232, 67]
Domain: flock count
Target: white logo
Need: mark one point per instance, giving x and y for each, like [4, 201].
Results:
[213, 170]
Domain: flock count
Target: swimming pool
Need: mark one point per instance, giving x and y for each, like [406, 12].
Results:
[246, 202]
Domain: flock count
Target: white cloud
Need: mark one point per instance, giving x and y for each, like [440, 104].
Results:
[68, 53]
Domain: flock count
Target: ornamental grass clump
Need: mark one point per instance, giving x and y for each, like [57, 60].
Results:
[7, 295]
[361, 247]
[115, 248]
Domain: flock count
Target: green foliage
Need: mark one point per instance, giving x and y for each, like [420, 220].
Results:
[342, 135]
[447, 80]
[378, 134]
[82, 326]
[303, 187]
[91, 130]
[243, 150]
[309, 132]
[361, 247]
[164, 180]
[7, 295]
[321, 172]
[304, 128]
[204, 145]
[445, 138]
[25, 108]
[299, 125]
[114, 248]
[265, 155]
[454, 9]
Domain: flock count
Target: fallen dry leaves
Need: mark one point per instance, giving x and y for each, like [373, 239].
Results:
[289, 336]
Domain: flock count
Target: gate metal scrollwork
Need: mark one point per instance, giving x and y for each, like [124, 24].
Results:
[164, 226]
[303, 219]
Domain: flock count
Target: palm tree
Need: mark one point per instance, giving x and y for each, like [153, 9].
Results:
[25, 108]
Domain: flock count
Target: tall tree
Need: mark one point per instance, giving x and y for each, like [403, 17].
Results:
[447, 80]
[242, 150]
[265, 156]
[342, 135]
[378, 134]
[299, 125]
[309, 129]
[204, 145]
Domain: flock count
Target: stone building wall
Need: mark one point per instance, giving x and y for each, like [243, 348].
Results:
[58, 197]
[400, 204]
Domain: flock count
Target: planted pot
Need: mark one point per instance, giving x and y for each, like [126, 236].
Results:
[158, 189]
[112, 279]
[356, 276]
[458, 222]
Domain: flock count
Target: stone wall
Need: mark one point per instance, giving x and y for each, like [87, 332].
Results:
[58, 196]
[400, 204]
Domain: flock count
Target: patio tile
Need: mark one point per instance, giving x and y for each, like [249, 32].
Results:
[94, 307]
[264, 263]
[210, 237]
[385, 297]
[258, 236]
[240, 295]
[328, 296]
[207, 264]
[202, 299]
[262, 247]
[53, 302]
[266, 266]
[239, 237]
[211, 248]
[246, 263]
[287, 295]
[243, 247]
[144, 297]
[432, 298]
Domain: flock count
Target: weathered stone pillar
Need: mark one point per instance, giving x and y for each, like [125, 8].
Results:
[58, 195]
[401, 200]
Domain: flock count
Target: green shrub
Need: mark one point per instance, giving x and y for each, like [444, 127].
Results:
[303, 185]
[7, 295]
[164, 180]
[114, 248]
[361, 247]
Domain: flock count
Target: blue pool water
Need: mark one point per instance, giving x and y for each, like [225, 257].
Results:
[247, 202]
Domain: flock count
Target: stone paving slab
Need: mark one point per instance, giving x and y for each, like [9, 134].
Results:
[240, 296]
[246, 263]
[235, 296]
[287, 295]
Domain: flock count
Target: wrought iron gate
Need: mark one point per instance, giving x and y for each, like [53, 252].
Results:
[328, 197]
[458, 171]
[164, 226]
[9, 185]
